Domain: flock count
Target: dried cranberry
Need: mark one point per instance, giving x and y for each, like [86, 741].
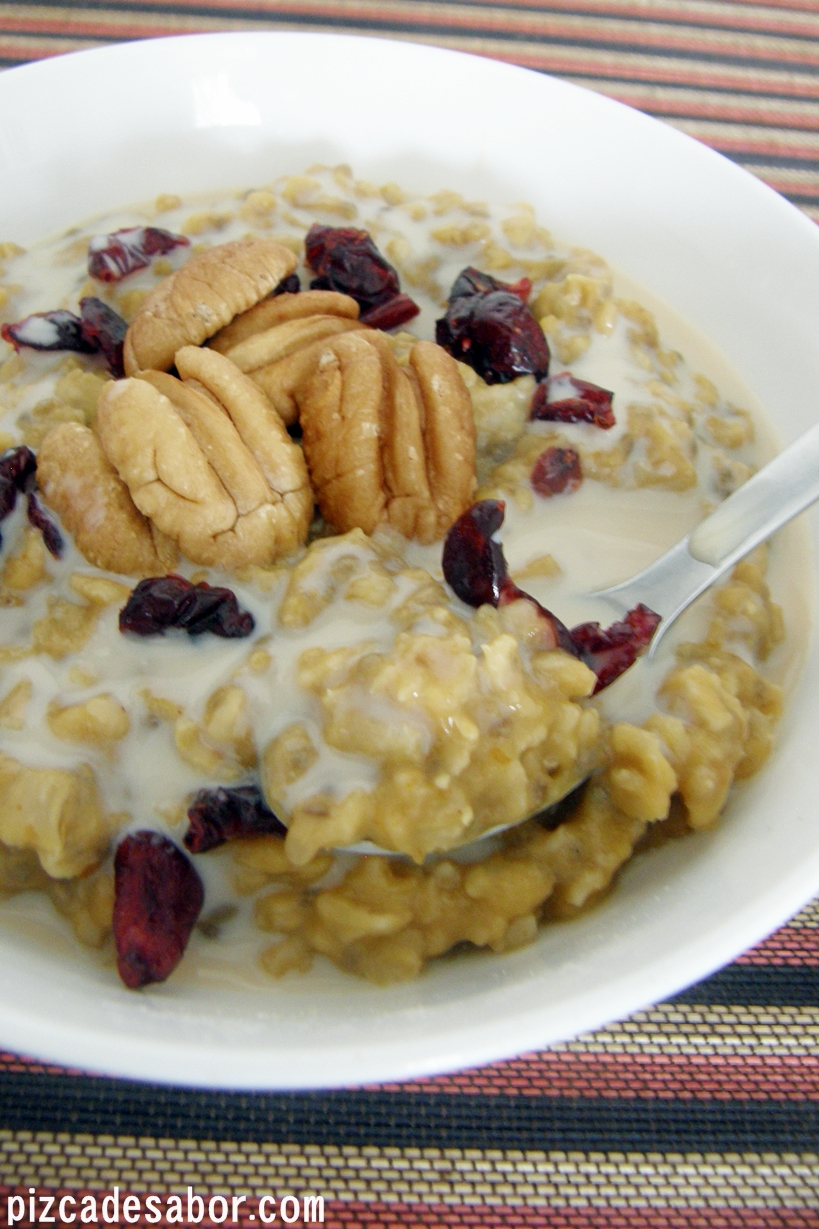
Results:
[471, 281]
[17, 471]
[391, 314]
[553, 634]
[51, 534]
[610, 651]
[163, 602]
[18, 467]
[556, 470]
[348, 261]
[105, 330]
[475, 567]
[57, 330]
[488, 326]
[112, 257]
[97, 330]
[522, 288]
[8, 498]
[157, 898]
[219, 815]
[288, 285]
[564, 398]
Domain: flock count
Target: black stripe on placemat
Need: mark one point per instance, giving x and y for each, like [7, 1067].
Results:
[801, 199]
[756, 985]
[486, 19]
[344, 22]
[785, 162]
[103, 1106]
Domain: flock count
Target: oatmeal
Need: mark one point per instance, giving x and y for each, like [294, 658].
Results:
[302, 494]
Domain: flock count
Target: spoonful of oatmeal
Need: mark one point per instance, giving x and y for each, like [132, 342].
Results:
[648, 603]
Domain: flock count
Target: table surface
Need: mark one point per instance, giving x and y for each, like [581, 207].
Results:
[700, 1112]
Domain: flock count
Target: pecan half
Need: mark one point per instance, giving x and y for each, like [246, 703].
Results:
[387, 443]
[278, 342]
[201, 298]
[95, 506]
[208, 461]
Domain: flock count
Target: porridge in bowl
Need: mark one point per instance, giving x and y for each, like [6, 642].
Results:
[256, 609]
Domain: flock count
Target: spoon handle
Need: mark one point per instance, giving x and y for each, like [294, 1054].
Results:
[767, 501]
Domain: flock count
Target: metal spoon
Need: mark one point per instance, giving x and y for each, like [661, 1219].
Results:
[778, 492]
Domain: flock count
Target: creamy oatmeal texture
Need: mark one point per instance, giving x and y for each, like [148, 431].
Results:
[369, 703]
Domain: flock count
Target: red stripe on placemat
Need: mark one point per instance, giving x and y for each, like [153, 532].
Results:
[791, 945]
[806, 196]
[563, 1073]
[723, 108]
[637, 65]
[673, 1077]
[796, 146]
[31, 1066]
[23, 50]
[116, 26]
[420, 1216]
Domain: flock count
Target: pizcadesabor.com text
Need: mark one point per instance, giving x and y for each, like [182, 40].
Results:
[117, 1208]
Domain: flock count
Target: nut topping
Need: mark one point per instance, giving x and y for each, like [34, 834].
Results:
[264, 349]
[272, 312]
[95, 506]
[208, 461]
[278, 342]
[201, 298]
[387, 443]
[448, 429]
[341, 419]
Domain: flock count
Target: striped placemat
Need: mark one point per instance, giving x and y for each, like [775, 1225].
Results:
[700, 1113]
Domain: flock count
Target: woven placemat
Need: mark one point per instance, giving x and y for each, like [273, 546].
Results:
[702, 1112]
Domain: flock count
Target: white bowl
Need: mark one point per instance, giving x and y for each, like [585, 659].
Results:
[92, 131]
